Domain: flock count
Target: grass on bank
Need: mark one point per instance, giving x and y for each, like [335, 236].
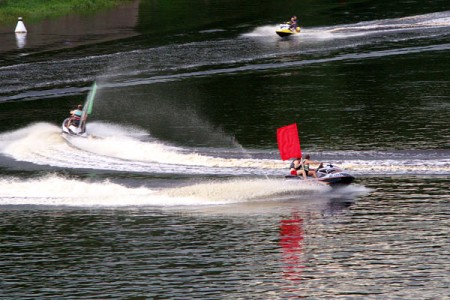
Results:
[36, 10]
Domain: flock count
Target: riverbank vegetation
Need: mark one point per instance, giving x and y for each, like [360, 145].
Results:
[36, 10]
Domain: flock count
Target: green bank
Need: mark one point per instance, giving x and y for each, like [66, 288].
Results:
[36, 10]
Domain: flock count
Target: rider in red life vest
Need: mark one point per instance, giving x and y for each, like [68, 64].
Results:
[296, 166]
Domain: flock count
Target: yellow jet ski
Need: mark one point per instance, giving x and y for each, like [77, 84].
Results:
[284, 30]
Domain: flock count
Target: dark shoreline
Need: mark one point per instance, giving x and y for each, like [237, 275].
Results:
[72, 30]
[37, 11]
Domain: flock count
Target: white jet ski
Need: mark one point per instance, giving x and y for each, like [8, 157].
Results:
[78, 127]
[73, 129]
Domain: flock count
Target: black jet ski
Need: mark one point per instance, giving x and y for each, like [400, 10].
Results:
[330, 174]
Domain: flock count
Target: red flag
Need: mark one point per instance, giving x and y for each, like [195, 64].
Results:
[289, 142]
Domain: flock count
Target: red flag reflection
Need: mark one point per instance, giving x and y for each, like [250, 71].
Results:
[291, 238]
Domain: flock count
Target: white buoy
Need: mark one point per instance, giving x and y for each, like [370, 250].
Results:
[20, 28]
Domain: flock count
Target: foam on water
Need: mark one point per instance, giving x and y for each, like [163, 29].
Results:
[262, 31]
[123, 149]
[55, 190]
[120, 150]
[366, 28]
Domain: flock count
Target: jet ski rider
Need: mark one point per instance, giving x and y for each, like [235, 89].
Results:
[301, 167]
[293, 24]
[75, 116]
[305, 164]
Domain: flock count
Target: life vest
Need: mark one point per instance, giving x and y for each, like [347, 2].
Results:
[77, 113]
[76, 117]
[305, 166]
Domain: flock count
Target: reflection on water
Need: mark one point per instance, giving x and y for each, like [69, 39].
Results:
[291, 238]
[21, 39]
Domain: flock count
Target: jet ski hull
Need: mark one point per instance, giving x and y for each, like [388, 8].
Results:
[337, 179]
[332, 181]
[72, 130]
[285, 31]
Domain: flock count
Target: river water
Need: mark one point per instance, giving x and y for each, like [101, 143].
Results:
[179, 191]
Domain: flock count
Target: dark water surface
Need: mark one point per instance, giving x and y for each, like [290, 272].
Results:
[179, 191]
